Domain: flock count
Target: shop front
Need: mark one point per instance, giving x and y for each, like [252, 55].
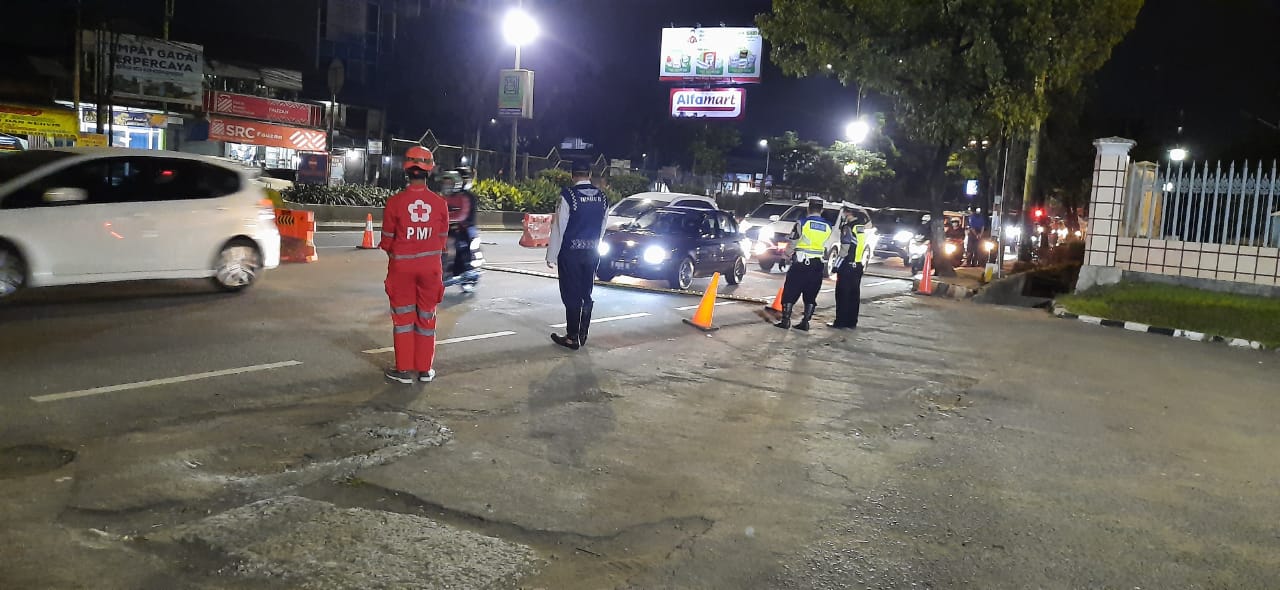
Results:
[142, 129]
[265, 145]
[25, 127]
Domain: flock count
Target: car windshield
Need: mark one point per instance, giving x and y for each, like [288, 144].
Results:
[794, 214]
[768, 210]
[17, 164]
[886, 218]
[635, 207]
[669, 223]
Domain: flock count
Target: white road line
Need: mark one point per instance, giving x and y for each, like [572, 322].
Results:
[155, 382]
[689, 307]
[450, 341]
[630, 316]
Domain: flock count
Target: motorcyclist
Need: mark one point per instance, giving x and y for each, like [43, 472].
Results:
[463, 205]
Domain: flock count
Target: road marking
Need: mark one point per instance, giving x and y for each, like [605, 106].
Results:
[156, 382]
[878, 283]
[630, 316]
[689, 307]
[450, 341]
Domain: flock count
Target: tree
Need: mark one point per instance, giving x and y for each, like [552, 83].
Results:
[709, 146]
[952, 69]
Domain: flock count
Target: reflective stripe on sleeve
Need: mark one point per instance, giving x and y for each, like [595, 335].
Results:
[414, 256]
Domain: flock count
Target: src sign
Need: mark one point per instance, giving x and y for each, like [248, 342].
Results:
[255, 133]
[715, 103]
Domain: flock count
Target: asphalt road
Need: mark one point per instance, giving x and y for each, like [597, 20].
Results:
[164, 436]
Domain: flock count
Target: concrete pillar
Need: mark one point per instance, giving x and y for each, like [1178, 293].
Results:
[1106, 212]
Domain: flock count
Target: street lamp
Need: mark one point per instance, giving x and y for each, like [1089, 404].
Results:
[764, 143]
[519, 29]
[857, 131]
[1178, 154]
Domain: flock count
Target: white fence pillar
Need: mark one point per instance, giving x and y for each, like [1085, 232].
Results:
[1106, 212]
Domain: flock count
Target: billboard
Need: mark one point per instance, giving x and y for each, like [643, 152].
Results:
[714, 103]
[270, 109]
[150, 69]
[255, 133]
[313, 168]
[725, 55]
[21, 120]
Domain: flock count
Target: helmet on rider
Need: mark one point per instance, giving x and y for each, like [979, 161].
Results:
[450, 182]
[468, 177]
[418, 162]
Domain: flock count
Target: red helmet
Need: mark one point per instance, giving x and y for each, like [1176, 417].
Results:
[419, 157]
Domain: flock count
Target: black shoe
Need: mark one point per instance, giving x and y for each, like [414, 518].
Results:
[405, 377]
[565, 341]
[785, 322]
[808, 315]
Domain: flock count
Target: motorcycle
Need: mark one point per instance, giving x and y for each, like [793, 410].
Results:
[469, 278]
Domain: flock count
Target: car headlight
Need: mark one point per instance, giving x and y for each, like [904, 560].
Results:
[1013, 231]
[903, 236]
[654, 254]
[761, 248]
[949, 248]
[988, 245]
[603, 248]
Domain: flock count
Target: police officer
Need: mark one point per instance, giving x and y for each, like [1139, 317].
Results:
[853, 252]
[575, 236]
[415, 226]
[805, 275]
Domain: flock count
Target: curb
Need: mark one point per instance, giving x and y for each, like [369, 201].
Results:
[1062, 312]
[941, 289]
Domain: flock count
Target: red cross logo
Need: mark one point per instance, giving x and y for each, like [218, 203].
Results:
[419, 211]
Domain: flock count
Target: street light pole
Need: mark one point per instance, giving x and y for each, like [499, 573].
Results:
[515, 129]
[768, 151]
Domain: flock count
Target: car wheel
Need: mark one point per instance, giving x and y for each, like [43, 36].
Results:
[237, 265]
[683, 277]
[13, 272]
[605, 274]
[737, 271]
[766, 265]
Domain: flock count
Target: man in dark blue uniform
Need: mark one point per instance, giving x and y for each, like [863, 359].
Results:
[575, 238]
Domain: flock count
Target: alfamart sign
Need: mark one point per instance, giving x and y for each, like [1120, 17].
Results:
[715, 103]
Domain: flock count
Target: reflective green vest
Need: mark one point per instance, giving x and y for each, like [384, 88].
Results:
[814, 233]
[860, 234]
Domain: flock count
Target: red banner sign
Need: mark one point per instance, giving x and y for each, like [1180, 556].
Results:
[263, 108]
[255, 133]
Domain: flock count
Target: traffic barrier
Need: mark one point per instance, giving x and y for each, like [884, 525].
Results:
[926, 278]
[777, 301]
[297, 235]
[366, 243]
[702, 318]
[537, 231]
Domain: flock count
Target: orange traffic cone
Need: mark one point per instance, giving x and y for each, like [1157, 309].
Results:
[926, 278]
[777, 302]
[367, 242]
[702, 318]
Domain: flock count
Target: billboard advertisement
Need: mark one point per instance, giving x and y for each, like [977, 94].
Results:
[714, 103]
[21, 120]
[724, 55]
[313, 168]
[267, 134]
[270, 109]
[150, 69]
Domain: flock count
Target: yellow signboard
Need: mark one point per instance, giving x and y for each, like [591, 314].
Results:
[92, 140]
[20, 120]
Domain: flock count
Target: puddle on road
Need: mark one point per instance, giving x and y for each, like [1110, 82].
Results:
[28, 460]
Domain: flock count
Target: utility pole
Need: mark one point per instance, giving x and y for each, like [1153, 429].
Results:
[79, 49]
[515, 129]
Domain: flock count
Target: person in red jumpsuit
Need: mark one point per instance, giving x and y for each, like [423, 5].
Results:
[415, 227]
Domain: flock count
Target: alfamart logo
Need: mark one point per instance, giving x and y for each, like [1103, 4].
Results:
[718, 103]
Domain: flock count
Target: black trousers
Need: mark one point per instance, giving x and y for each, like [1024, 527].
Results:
[461, 252]
[577, 279]
[803, 279]
[848, 294]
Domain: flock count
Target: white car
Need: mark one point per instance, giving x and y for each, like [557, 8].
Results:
[767, 213]
[631, 208]
[773, 241]
[96, 215]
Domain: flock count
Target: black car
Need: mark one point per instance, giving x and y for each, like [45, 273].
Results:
[675, 244]
[898, 229]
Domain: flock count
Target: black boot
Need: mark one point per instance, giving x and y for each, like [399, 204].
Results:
[785, 322]
[584, 323]
[808, 315]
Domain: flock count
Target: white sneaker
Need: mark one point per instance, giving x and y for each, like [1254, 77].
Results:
[427, 377]
[468, 288]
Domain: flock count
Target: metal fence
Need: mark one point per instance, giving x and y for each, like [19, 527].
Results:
[1202, 202]
[487, 163]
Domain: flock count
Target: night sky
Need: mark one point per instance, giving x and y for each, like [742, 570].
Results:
[1212, 66]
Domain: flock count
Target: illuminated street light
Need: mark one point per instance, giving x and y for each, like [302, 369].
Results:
[857, 131]
[1177, 154]
[519, 28]
[764, 144]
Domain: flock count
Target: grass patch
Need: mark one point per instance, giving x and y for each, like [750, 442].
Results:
[1169, 306]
